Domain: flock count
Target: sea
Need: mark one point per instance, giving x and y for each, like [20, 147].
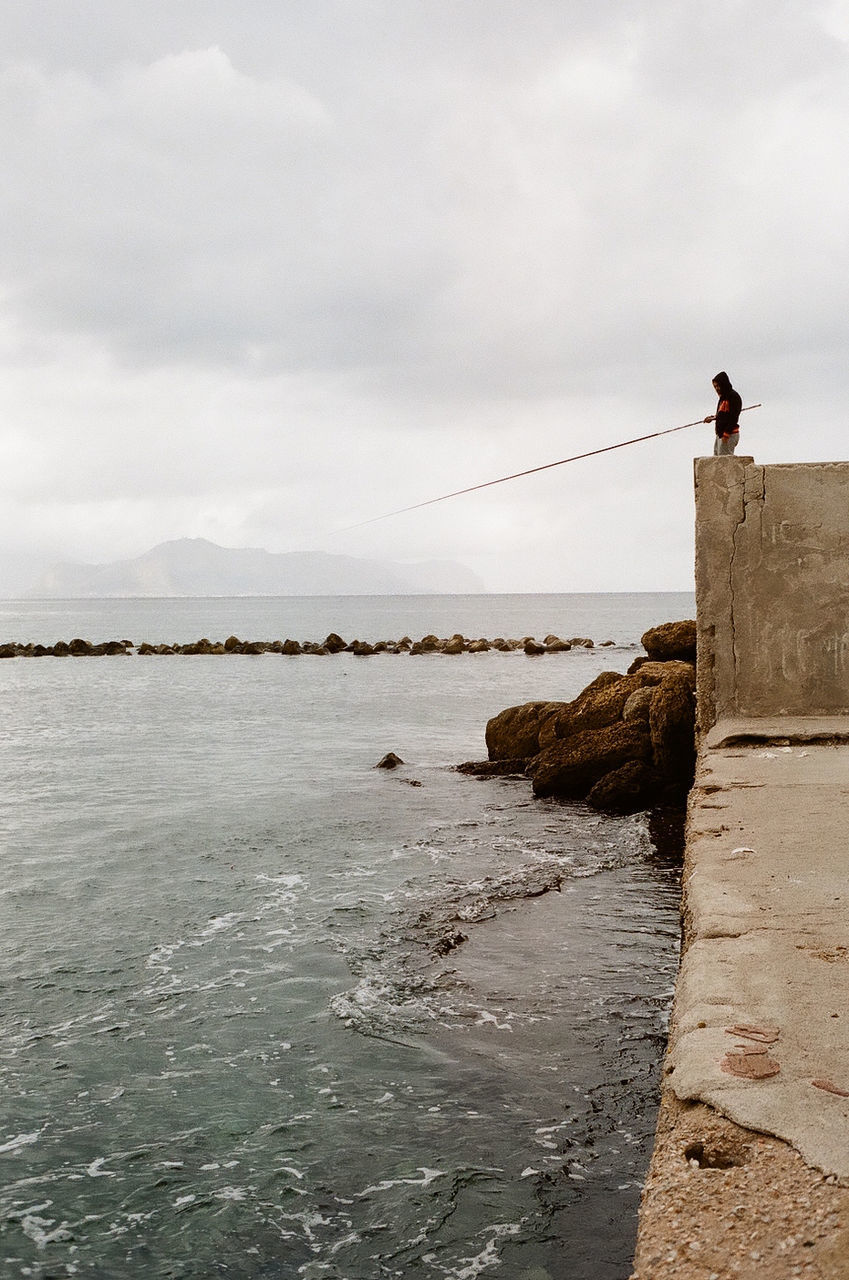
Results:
[270, 1011]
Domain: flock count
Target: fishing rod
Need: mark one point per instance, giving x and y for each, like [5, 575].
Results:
[546, 466]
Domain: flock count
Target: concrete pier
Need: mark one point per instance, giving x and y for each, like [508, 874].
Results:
[750, 1174]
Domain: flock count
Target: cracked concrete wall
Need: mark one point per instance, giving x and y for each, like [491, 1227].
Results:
[772, 588]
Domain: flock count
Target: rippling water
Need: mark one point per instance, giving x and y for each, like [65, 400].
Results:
[269, 1012]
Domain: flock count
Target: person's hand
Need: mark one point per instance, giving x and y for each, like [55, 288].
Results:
[710, 418]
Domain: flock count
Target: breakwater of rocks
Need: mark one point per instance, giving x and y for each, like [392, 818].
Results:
[332, 644]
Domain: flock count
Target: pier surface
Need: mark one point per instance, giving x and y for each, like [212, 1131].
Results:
[750, 1172]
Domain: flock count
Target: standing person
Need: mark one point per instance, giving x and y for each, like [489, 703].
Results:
[726, 417]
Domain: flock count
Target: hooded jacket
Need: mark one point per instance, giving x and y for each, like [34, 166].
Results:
[728, 408]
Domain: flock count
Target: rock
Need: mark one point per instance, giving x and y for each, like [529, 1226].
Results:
[654, 672]
[479, 646]
[600, 704]
[389, 761]
[360, 649]
[582, 642]
[335, 643]
[514, 733]
[572, 767]
[109, 648]
[638, 704]
[8, 651]
[493, 768]
[558, 646]
[627, 789]
[671, 640]
[455, 645]
[532, 649]
[231, 643]
[430, 644]
[291, 648]
[449, 942]
[79, 647]
[672, 718]
[627, 742]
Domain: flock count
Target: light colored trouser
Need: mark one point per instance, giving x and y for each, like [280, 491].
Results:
[722, 447]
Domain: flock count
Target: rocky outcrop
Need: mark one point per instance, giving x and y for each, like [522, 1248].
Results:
[627, 742]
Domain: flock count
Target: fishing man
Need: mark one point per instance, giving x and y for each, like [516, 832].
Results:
[726, 417]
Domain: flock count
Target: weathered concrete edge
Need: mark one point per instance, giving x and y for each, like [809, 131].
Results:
[738, 730]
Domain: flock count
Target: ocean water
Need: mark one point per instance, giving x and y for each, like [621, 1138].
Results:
[270, 1012]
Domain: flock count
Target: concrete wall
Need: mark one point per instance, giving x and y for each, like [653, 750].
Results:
[772, 588]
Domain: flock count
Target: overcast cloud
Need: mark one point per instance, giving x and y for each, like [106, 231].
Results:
[268, 270]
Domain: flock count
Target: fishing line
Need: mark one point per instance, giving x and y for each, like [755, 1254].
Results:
[517, 475]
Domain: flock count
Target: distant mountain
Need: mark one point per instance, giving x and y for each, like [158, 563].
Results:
[196, 567]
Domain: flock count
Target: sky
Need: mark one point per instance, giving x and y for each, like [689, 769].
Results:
[268, 271]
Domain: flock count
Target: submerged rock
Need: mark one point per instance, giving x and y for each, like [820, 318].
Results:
[493, 768]
[389, 761]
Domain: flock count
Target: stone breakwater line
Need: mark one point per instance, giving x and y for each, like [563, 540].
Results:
[333, 644]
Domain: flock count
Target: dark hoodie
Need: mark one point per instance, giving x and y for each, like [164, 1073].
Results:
[729, 406]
